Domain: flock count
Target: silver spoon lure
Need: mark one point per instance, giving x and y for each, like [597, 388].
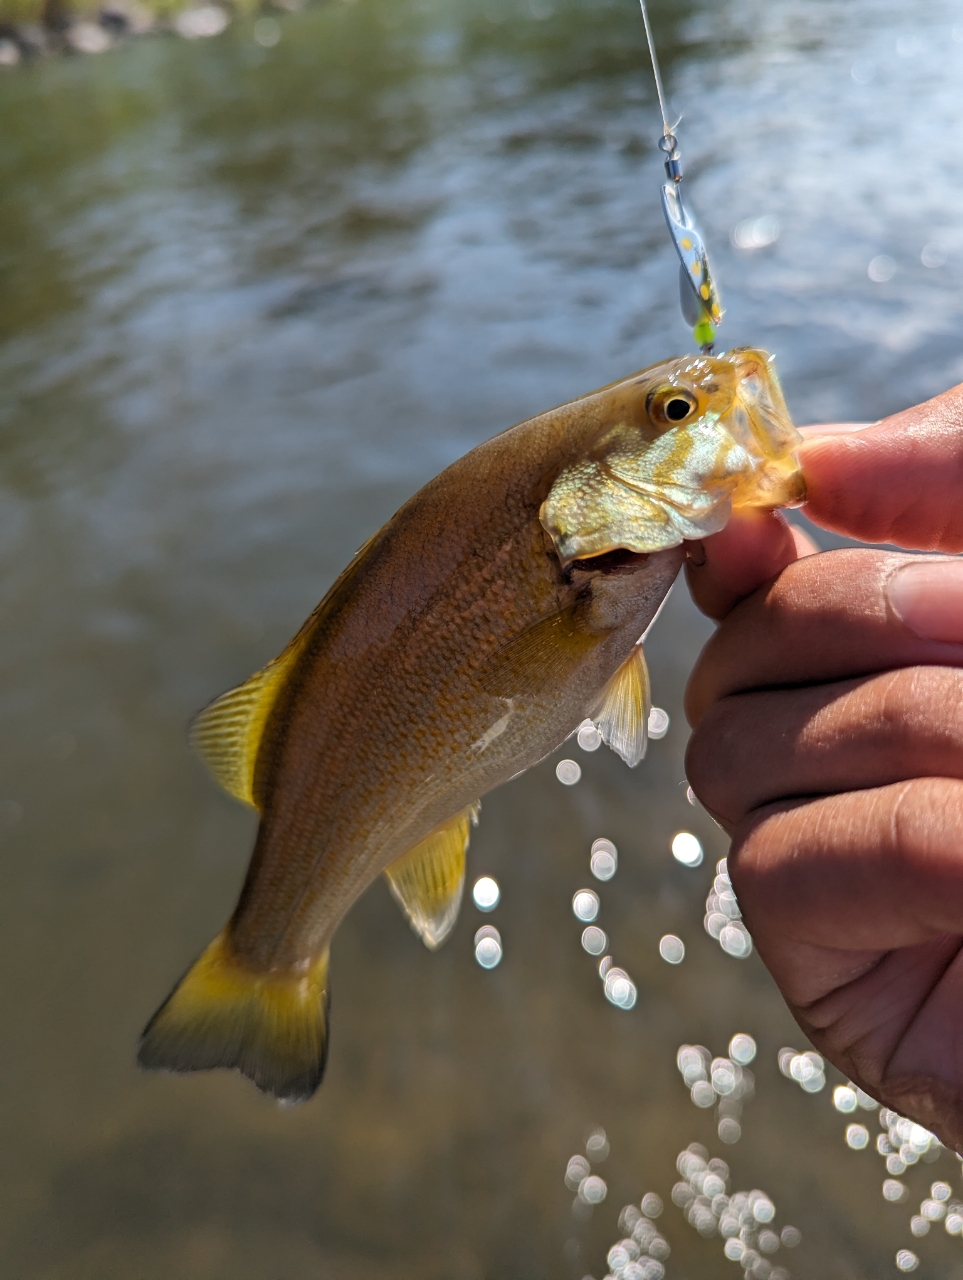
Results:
[698, 292]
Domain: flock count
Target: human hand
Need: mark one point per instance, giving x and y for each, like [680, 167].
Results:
[828, 740]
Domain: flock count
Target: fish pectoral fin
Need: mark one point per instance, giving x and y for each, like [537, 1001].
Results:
[541, 658]
[272, 1027]
[428, 880]
[623, 717]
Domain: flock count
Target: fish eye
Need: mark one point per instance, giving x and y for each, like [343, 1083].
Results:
[671, 405]
[676, 409]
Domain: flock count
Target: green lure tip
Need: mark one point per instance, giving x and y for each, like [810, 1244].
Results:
[704, 334]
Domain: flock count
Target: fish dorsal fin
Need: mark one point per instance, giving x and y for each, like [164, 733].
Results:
[623, 718]
[227, 733]
[428, 880]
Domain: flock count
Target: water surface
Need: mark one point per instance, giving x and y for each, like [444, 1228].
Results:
[251, 300]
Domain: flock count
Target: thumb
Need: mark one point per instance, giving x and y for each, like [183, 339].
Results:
[752, 548]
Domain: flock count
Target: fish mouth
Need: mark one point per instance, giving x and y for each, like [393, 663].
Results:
[617, 562]
[760, 399]
[759, 420]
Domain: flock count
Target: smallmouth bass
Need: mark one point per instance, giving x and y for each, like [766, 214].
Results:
[499, 608]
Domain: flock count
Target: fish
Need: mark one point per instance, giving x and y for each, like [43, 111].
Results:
[499, 609]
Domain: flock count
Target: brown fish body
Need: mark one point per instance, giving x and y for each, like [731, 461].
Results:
[409, 702]
[465, 641]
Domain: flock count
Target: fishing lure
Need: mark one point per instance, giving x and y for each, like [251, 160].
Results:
[698, 292]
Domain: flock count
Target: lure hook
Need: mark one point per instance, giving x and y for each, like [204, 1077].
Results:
[698, 293]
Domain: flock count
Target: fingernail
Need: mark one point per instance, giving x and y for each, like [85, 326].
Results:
[928, 596]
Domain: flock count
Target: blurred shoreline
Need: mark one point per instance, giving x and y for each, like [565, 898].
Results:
[31, 29]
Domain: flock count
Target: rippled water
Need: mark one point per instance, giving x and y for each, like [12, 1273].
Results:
[251, 300]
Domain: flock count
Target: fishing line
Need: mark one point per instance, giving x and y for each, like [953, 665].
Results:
[666, 127]
[698, 292]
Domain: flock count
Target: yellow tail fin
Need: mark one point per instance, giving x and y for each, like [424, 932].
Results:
[272, 1027]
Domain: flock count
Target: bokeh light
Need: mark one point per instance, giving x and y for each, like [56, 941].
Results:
[576, 1169]
[934, 255]
[604, 859]
[687, 849]
[597, 1145]
[592, 1190]
[642, 1251]
[755, 233]
[742, 1049]
[672, 949]
[658, 723]
[652, 1204]
[488, 946]
[486, 893]
[620, 990]
[807, 1069]
[585, 905]
[568, 772]
[729, 1130]
[267, 32]
[744, 1219]
[882, 268]
[857, 1136]
[594, 940]
[735, 941]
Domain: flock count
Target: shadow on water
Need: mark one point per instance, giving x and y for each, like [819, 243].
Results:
[252, 299]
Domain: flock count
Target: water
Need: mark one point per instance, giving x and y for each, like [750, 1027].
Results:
[252, 298]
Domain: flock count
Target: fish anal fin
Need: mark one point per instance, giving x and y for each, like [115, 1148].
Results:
[623, 716]
[271, 1026]
[428, 880]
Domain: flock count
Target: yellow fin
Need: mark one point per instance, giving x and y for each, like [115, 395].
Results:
[227, 733]
[272, 1027]
[623, 719]
[428, 880]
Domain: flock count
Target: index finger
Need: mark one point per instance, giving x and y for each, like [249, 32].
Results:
[898, 481]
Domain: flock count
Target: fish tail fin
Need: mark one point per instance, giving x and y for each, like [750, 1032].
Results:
[272, 1027]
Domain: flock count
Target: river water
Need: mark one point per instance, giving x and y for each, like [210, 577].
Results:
[252, 298]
